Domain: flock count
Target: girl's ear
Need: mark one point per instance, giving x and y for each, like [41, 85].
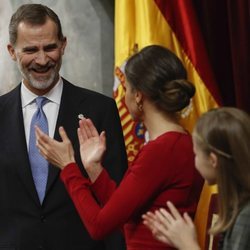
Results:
[213, 160]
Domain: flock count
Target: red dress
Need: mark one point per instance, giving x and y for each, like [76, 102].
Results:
[163, 171]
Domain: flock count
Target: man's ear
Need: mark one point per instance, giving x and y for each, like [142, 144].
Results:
[213, 160]
[12, 51]
[64, 44]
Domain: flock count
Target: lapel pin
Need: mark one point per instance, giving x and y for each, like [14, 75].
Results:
[81, 116]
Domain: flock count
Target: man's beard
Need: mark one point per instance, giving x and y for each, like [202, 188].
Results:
[43, 83]
[40, 83]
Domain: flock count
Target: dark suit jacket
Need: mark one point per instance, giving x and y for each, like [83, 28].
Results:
[24, 223]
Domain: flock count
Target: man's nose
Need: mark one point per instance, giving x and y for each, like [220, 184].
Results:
[41, 58]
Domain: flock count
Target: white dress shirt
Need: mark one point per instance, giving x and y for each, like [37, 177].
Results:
[50, 109]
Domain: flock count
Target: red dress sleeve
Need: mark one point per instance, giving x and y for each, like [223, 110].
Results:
[103, 187]
[142, 182]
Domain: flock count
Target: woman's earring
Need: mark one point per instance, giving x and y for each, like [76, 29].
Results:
[139, 106]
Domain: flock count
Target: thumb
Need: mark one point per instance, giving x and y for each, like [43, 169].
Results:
[188, 219]
[40, 135]
[38, 132]
[63, 134]
[103, 138]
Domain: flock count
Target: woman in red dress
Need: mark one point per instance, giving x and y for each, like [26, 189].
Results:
[156, 92]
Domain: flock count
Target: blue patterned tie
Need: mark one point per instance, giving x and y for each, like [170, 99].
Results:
[39, 166]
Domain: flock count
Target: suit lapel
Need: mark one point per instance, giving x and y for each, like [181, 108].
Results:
[17, 143]
[68, 118]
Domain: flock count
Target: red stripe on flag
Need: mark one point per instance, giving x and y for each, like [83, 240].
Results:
[182, 19]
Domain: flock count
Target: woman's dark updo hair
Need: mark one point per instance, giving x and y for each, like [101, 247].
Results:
[160, 75]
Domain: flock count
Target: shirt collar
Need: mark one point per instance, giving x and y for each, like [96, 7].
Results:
[54, 95]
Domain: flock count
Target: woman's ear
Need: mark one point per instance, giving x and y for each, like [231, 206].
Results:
[213, 160]
[138, 96]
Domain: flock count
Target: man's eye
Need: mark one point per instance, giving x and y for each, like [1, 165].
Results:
[51, 47]
[29, 51]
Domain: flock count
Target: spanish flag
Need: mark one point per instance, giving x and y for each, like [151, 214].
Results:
[173, 24]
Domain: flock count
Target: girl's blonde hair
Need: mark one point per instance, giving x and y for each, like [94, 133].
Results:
[226, 132]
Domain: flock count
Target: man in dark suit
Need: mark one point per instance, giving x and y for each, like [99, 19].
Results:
[27, 222]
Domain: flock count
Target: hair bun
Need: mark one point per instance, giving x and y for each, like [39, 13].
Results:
[176, 94]
[181, 85]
